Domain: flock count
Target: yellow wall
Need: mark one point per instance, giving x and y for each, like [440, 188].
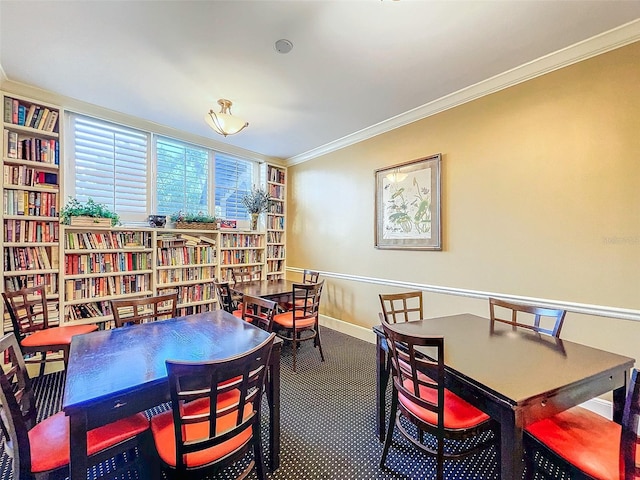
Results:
[541, 198]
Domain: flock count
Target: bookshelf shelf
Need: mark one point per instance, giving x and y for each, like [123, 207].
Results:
[276, 218]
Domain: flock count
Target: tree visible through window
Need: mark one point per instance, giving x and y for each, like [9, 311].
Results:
[182, 178]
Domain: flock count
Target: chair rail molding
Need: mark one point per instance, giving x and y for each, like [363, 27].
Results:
[583, 308]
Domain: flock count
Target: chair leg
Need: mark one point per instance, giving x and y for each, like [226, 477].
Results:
[319, 343]
[295, 343]
[44, 362]
[257, 452]
[392, 422]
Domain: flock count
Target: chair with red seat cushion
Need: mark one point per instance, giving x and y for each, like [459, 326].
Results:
[259, 311]
[405, 306]
[587, 445]
[301, 322]
[29, 314]
[226, 301]
[419, 396]
[215, 415]
[137, 310]
[43, 449]
[518, 313]
[308, 276]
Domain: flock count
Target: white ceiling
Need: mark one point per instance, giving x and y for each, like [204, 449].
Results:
[354, 64]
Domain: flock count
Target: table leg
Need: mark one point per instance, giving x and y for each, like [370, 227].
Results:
[382, 378]
[619, 395]
[274, 406]
[78, 446]
[511, 447]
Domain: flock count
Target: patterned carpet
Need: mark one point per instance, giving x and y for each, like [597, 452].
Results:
[327, 421]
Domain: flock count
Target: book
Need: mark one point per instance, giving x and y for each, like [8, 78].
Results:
[29, 117]
[12, 145]
[51, 121]
[14, 111]
[8, 107]
[43, 119]
[36, 114]
[22, 114]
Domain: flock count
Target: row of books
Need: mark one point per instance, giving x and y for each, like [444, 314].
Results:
[87, 310]
[43, 150]
[178, 256]
[193, 293]
[275, 251]
[106, 240]
[49, 280]
[27, 258]
[79, 264]
[276, 191]
[30, 231]
[24, 202]
[231, 240]
[275, 223]
[248, 273]
[29, 177]
[96, 287]
[276, 208]
[275, 266]
[193, 309]
[275, 237]
[30, 115]
[167, 240]
[238, 257]
[275, 175]
[186, 274]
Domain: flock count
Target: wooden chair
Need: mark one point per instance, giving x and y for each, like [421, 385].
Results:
[215, 416]
[310, 276]
[301, 322]
[587, 445]
[134, 311]
[519, 312]
[420, 397]
[404, 306]
[27, 308]
[259, 311]
[42, 450]
[226, 299]
[244, 275]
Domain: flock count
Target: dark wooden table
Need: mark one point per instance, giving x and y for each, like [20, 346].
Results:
[516, 377]
[277, 290]
[115, 373]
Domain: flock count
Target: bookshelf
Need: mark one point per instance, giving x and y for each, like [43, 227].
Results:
[187, 263]
[103, 264]
[275, 237]
[242, 251]
[31, 196]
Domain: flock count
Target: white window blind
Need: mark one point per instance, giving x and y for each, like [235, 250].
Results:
[234, 179]
[182, 177]
[111, 166]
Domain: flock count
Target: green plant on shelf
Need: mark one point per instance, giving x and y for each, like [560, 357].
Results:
[75, 208]
[192, 217]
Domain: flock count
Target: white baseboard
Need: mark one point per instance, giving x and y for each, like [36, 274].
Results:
[597, 405]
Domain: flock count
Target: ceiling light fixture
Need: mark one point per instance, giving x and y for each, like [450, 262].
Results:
[283, 45]
[224, 122]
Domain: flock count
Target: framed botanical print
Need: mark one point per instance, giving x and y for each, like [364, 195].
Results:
[408, 205]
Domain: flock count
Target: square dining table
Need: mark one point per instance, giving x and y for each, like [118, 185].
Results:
[115, 373]
[514, 375]
[279, 290]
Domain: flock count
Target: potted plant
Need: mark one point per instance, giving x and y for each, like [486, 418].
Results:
[194, 220]
[256, 202]
[88, 214]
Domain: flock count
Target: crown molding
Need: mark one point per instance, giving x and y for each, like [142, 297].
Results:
[602, 43]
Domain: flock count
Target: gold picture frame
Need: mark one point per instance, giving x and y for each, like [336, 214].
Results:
[408, 205]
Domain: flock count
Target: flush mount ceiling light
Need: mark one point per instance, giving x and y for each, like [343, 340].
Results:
[223, 122]
[283, 45]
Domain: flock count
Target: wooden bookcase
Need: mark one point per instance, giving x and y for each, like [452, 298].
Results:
[276, 179]
[242, 250]
[31, 193]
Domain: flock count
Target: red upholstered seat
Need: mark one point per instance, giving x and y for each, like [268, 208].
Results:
[56, 335]
[49, 439]
[163, 432]
[458, 414]
[285, 319]
[584, 439]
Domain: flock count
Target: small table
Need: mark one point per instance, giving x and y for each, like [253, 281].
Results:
[515, 376]
[279, 290]
[115, 373]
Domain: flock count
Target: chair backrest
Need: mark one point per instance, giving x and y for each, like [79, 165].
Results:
[306, 300]
[231, 388]
[310, 276]
[142, 310]
[17, 406]
[244, 275]
[225, 298]
[27, 308]
[541, 320]
[629, 441]
[418, 376]
[404, 307]
[259, 311]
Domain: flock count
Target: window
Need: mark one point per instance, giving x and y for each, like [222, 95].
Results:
[182, 177]
[110, 166]
[234, 179]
